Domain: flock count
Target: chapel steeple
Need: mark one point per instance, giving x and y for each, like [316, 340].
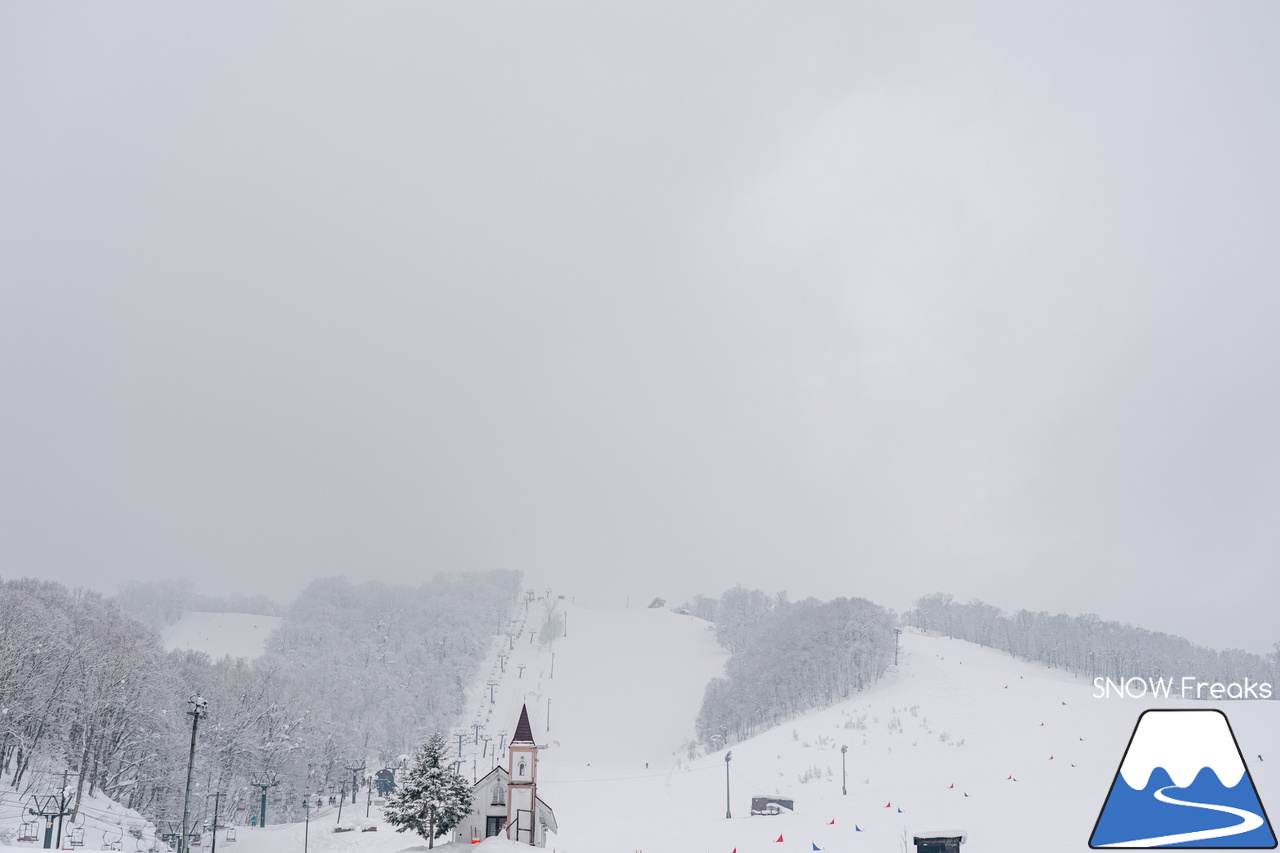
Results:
[522, 771]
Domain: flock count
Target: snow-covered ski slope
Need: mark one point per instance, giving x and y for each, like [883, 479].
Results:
[240, 635]
[1030, 746]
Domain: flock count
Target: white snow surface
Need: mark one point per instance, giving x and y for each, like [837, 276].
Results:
[101, 820]
[1183, 743]
[240, 635]
[1034, 752]
[1032, 748]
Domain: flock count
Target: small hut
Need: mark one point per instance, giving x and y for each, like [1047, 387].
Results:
[938, 839]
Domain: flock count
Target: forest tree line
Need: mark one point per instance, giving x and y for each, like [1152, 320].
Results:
[1088, 646]
[355, 674]
[786, 658]
[159, 604]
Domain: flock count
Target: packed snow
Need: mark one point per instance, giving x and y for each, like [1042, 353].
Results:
[239, 635]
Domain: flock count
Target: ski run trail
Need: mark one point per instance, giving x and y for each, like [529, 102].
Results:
[1020, 756]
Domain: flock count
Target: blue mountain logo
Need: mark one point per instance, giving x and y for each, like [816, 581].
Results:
[1183, 783]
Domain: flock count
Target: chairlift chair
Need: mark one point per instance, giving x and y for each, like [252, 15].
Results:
[230, 835]
[29, 831]
[75, 836]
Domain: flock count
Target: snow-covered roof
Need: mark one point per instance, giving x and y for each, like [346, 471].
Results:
[940, 831]
[549, 818]
[500, 770]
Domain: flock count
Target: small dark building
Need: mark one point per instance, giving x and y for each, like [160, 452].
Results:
[771, 805]
[385, 779]
[938, 839]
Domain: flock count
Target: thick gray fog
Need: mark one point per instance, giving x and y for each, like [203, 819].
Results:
[841, 299]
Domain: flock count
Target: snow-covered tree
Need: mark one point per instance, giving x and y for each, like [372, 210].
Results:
[432, 799]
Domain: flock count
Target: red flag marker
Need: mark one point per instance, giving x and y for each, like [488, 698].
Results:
[952, 785]
[886, 805]
[779, 839]
[833, 820]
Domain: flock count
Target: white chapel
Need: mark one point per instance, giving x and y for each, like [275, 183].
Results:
[505, 801]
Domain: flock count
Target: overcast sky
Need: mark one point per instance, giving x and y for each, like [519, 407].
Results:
[842, 299]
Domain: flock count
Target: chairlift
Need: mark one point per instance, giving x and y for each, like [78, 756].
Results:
[29, 831]
[75, 836]
[230, 835]
[116, 843]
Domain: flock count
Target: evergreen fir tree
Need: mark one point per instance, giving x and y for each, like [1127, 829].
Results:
[432, 799]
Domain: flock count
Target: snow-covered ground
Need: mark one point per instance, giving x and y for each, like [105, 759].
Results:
[100, 821]
[1020, 756]
[240, 635]
[1030, 746]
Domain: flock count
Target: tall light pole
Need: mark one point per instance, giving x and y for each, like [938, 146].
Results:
[844, 773]
[897, 632]
[728, 756]
[197, 707]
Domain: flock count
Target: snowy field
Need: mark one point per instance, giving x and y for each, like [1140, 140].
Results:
[1019, 755]
[240, 635]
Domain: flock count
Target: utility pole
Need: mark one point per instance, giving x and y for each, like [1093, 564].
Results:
[461, 735]
[62, 808]
[897, 632]
[476, 726]
[197, 707]
[553, 664]
[844, 775]
[267, 780]
[521, 673]
[491, 685]
[368, 796]
[217, 795]
[728, 813]
[306, 829]
[548, 713]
